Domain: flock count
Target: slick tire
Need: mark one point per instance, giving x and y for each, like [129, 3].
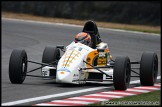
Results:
[148, 68]
[17, 66]
[122, 73]
[50, 54]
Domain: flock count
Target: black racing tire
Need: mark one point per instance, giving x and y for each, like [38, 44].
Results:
[50, 55]
[148, 68]
[122, 73]
[18, 66]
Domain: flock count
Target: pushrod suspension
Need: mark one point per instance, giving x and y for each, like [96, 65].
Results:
[43, 65]
[39, 63]
[97, 69]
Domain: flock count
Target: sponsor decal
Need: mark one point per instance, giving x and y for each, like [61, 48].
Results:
[75, 76]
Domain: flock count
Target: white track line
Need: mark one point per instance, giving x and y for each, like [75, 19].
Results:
[99, 95]
[64, 94]
[138, 81]
[136, 90]
[84, 98]
[87, 99]
[157, 85]
[72, 102]
[51, 96]
[148, 88]
[46, 104]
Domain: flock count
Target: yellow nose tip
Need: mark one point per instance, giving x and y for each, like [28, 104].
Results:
[61, 72]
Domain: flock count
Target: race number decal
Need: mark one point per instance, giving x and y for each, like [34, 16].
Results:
[45, 73]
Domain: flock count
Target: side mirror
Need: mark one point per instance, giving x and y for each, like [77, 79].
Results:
[60, 46]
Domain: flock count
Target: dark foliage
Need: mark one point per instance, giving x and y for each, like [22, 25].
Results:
[130, 12]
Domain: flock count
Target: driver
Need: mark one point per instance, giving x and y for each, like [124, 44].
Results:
[83, 38]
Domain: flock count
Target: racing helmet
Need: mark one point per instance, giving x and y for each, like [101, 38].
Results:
[83, 38]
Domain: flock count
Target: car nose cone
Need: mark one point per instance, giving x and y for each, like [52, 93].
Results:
[63, 76]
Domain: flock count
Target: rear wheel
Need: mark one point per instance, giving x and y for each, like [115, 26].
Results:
[148, 68]
[51, 54]
[122, 72]
[17, 66]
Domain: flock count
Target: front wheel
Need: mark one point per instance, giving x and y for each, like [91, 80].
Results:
[18, 66]
[50, 55]
[122, 73]
[148, 68]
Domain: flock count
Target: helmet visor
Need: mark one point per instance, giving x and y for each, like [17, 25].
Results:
[85, 42]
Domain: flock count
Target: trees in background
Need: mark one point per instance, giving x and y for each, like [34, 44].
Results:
[129, 12]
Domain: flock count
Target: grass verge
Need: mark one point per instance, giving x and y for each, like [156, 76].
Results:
[140, 28]
[146, 99]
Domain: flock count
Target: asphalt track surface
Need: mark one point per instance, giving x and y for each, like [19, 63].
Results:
[34, 37]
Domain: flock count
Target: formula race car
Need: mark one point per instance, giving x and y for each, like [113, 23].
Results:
[80, 64]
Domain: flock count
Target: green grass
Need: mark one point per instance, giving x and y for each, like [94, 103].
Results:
[146, 99]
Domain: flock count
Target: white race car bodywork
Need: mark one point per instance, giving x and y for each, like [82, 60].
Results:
[80, 64]
[68, 67]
